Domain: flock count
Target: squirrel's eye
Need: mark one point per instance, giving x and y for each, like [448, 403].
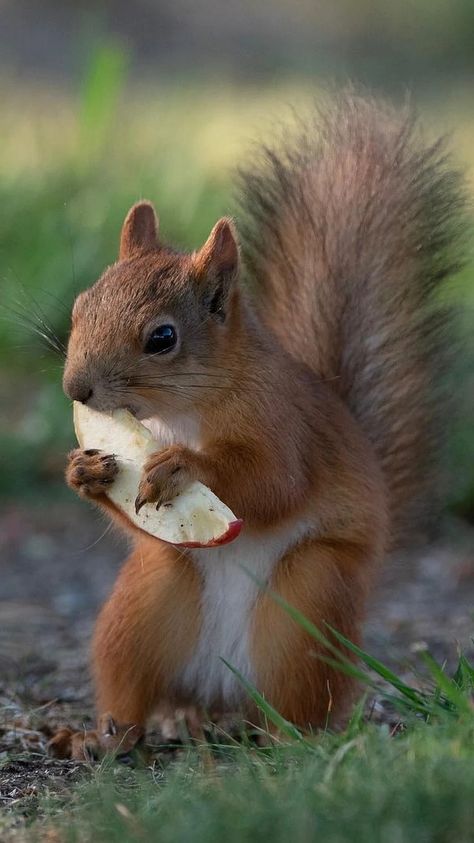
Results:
[161, 340]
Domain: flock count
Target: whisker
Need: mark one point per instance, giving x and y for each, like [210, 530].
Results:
[30, 316]
[40, 330]
[67, 308]
[39, 312]
[183, 388]
[96, 542]
[179, 375]
[178, 378]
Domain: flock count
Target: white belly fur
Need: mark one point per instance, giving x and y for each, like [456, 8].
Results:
[228, 597]
[228, 592]
[182, 429]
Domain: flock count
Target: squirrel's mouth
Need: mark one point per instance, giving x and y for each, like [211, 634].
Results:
[105, 403]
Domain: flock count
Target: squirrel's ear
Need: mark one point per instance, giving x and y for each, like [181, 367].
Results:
[217, 265]
[139, 231]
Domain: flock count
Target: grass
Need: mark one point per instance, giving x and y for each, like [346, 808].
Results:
[410, 781]
[371, 787]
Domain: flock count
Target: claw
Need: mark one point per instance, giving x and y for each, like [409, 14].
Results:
[108, 726]
[109, 460]
[139, 502]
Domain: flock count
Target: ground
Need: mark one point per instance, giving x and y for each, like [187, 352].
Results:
[58, 563]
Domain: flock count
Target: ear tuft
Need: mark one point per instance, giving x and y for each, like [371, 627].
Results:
[217, 265]
[139, 231]
[220, 253]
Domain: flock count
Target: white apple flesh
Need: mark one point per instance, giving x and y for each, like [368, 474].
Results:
[194, 518]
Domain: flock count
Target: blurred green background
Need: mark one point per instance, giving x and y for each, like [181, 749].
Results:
[104, 103]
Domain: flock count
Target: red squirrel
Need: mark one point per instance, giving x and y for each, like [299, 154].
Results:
[294, 375]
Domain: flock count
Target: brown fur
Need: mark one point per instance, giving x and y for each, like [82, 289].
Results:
[157, 589]
[310, 692]
[352, 225]
[349, 237]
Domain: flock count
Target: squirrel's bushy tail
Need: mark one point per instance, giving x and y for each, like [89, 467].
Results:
[350, 228]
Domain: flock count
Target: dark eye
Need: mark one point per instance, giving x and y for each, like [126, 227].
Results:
[161, 340]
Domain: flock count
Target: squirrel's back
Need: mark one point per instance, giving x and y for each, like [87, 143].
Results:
[350, 230]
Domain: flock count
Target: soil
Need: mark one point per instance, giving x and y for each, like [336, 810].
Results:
[58, 562]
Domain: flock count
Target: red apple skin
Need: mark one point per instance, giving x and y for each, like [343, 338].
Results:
[231, 533]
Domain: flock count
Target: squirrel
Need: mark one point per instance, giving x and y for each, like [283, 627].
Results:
[296, 374]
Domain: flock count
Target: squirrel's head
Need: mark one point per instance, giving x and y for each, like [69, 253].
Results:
[150, 333]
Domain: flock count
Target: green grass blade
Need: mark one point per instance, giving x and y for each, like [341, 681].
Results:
[357, 718]
[349, 669]
[342, 662]
[271, 713]
[464, 675]
[346, 665]
[293, 612]
[379, 668]
[450, 689]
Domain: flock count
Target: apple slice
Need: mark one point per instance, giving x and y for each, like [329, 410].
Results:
[194, 518]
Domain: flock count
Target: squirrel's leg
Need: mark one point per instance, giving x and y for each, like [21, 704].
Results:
[327, 582]
[144, 633]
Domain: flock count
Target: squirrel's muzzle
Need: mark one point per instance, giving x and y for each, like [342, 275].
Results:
[77, 388]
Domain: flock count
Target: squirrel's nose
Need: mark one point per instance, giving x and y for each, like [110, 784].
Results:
[78, 390]
[84, 395]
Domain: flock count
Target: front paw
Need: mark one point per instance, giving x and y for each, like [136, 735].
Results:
[90, 473]
[124, 742]
[165, 475]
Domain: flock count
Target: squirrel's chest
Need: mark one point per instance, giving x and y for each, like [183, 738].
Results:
[228, 597]
[183, 429]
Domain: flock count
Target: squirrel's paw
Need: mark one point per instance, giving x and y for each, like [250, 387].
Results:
[90, 472]
[108, 739]
[181, 724]
[165, 475]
